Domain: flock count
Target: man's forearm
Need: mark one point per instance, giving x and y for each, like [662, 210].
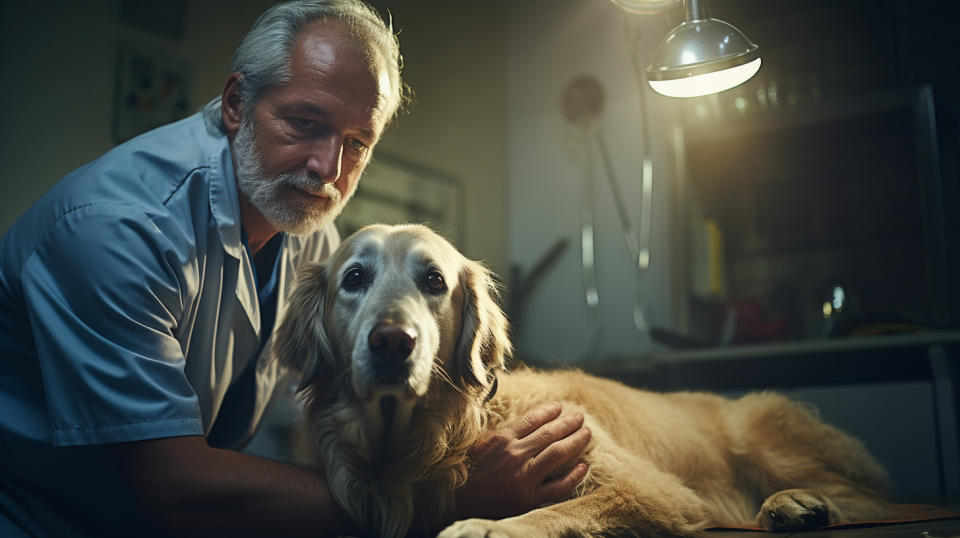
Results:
[189, 488]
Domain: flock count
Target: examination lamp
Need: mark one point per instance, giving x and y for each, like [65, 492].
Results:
[701, 56]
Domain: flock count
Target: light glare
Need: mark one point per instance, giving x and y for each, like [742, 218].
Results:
[707, 83]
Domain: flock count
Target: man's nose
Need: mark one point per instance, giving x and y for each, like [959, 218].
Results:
[325, 158]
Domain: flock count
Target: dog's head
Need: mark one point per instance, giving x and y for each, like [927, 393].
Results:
[393, 311]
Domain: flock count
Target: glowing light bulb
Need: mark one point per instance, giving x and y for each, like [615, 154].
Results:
[707, 83]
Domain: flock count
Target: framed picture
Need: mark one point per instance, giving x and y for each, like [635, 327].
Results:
[151, 90]
[394, 190]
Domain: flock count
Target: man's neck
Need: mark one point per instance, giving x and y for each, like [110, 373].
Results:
[258, 228]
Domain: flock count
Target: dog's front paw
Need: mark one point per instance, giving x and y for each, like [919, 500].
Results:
[794, 510]
[475, 528]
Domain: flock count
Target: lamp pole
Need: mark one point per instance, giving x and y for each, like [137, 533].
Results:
[697, 10]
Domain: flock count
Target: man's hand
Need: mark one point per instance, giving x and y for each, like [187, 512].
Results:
[510, 466]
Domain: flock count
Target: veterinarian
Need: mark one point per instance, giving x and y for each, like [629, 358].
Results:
[139, 295]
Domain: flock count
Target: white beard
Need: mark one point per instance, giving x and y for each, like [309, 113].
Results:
[277, 199]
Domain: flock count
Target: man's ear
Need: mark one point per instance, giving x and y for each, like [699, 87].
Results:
[231, 105]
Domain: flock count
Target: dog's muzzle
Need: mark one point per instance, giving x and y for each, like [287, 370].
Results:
[391, 345]
[391, 389]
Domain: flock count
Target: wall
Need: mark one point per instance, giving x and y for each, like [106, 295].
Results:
[454, 59]
[550, 43]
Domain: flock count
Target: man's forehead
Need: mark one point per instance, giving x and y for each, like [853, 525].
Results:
[331, 50]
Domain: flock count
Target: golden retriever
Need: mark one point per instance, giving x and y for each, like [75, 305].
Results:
[400, 342]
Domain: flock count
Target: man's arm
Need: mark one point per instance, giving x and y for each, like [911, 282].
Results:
[185, 488]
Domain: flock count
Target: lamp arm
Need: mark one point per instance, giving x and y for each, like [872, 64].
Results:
[697, 10]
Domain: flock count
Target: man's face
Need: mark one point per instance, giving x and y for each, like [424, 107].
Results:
[300, 151]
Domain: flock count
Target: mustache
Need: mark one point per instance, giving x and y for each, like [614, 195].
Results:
[310, 184]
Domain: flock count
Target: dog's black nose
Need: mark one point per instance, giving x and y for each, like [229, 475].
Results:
[392, 342]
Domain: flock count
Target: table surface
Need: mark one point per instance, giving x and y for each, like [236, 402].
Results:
[939, 528]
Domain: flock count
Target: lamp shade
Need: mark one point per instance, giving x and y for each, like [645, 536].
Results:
[702, 56]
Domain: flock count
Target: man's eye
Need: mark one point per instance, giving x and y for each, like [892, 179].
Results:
[353, 279]
[434, 282]
[357, 145]
[303, 124]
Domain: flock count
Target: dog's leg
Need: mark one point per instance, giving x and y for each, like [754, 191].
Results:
[804, 509]
[606, 512]
[648, 502]
[814, 474]
[794, 510]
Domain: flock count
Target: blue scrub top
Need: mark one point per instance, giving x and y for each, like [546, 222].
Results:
[129, 310]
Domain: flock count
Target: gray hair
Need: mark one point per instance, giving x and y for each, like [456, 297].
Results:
[263, 56]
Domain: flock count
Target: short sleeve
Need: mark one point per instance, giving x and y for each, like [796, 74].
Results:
[103, 296]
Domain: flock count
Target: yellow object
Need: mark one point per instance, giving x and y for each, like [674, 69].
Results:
[714, 257]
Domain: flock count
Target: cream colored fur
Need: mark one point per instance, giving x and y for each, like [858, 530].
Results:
[660, 464]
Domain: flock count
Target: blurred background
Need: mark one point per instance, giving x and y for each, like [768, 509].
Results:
[797, 232]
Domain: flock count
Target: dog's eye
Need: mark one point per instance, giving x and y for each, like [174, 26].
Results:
[434, 282]
[353, 279]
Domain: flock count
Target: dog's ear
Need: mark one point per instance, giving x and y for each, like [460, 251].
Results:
[484, 344]
[301, 344]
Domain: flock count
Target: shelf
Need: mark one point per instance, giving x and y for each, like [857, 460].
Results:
[851, 360]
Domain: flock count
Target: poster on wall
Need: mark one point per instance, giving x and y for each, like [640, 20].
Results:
[151, 90]
[394, 190]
